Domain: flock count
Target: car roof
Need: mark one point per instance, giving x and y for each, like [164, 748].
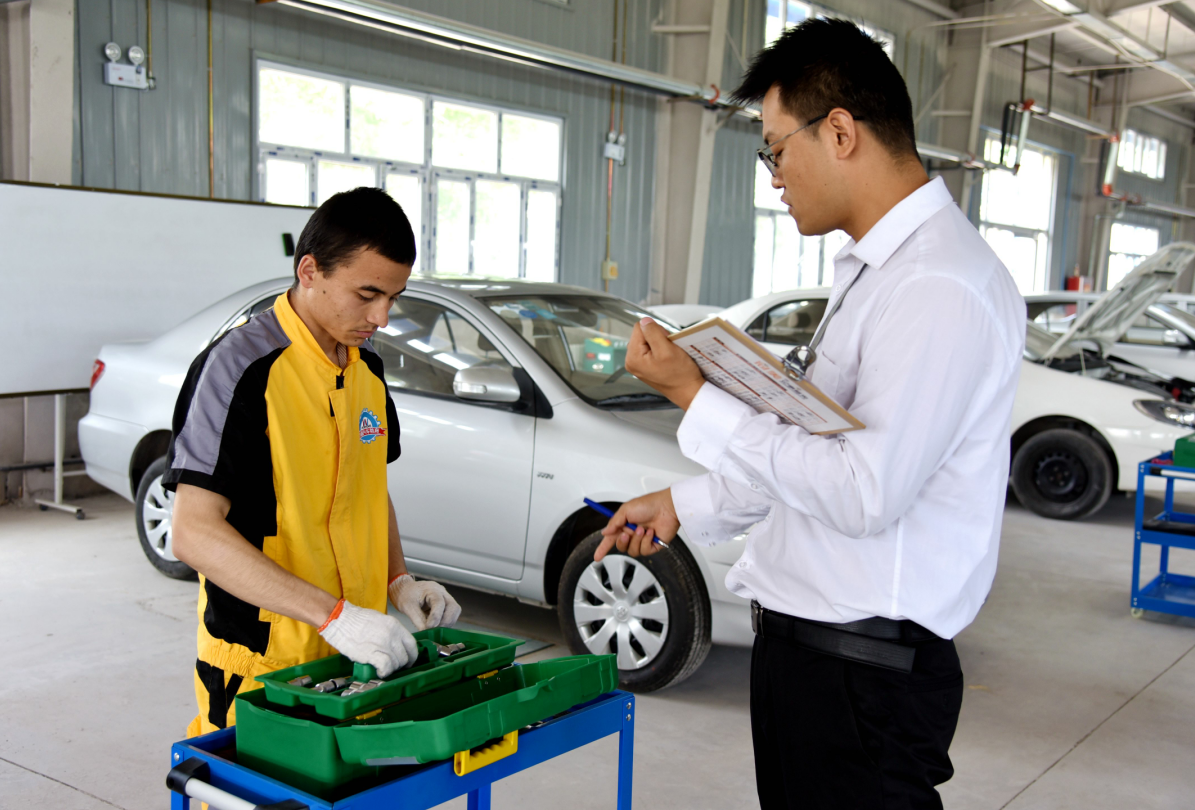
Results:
[763, 302]
[482, 287]
[463, 286]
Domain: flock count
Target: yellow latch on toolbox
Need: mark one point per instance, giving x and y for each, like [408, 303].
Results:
[468, 761]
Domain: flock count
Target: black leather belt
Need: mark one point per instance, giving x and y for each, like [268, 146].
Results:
[874, 641]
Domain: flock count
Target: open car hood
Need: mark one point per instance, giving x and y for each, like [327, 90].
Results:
[1107, 320]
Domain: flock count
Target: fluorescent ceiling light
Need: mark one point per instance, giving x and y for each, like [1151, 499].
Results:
[1065, 6]
[420, 345]
[449, 360]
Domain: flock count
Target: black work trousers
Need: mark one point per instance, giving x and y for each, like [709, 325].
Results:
[831, 733]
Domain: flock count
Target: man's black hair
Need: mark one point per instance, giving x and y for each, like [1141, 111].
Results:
[351, 220]
[821, 64]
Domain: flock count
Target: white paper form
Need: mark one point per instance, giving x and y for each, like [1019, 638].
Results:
[739, 365]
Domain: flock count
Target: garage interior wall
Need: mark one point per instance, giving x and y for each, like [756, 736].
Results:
[157, 140]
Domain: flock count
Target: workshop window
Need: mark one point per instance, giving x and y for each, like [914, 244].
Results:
[784, 259]
[480, 184]
[1142, 154]
[1016, 214]
[784, 14]
[1128, 246]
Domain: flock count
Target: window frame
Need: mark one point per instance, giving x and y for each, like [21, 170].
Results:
[427, 172]
[1021, 231]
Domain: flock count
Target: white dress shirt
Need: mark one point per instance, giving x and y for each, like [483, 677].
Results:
[900, 519]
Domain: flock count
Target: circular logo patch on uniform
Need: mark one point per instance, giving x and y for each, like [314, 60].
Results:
[371, 428]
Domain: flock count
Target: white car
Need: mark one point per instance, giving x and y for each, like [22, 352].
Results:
[684, 314]
[1081, 420]
[514, 406]
[1162, 339]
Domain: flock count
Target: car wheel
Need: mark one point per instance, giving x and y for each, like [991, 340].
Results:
[652, 612]
[1062, 474]
[154, 510]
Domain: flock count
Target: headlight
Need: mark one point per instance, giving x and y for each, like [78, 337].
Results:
[1171, 413]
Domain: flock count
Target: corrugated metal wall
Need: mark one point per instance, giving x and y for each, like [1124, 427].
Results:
[157, 141]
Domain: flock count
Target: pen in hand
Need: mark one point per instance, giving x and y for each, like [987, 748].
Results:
[597, 507]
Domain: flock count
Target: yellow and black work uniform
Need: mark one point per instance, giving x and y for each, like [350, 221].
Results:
[300, 448]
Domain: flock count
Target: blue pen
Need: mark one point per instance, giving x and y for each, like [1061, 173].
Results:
[597, 507]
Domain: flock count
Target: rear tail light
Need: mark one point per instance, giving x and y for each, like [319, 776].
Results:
[97, 371]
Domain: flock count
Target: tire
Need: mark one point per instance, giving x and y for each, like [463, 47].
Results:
[660, 630]
[153, 507]
[1062, 474]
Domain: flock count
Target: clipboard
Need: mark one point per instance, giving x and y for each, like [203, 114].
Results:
[738, 364]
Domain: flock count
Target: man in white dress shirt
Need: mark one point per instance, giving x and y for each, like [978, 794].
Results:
[869, 550]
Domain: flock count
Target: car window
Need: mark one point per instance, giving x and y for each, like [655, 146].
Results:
[424, 345]
[1056, 318]
[792, 323]
[264, 304]
[1145, 331]
[243, 318]
[584, 338]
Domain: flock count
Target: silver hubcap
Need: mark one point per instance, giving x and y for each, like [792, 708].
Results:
[619, 607]
[156, 514]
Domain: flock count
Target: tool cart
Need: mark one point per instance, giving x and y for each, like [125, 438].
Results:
[1167, 592]
[330, 735]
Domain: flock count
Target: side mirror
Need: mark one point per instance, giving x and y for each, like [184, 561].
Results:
[486, 384]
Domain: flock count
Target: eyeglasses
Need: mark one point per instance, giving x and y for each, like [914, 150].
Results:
[768, 158]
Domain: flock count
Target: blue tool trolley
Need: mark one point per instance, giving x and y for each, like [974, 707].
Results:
[202, 768]
[1167, 592]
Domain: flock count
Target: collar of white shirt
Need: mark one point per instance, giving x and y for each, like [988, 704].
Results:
[878, 244]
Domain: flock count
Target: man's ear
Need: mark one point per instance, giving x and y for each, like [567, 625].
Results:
[845, 131]
[305, 272]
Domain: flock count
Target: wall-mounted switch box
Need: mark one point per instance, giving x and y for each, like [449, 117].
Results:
[133, 76]
[609, 270]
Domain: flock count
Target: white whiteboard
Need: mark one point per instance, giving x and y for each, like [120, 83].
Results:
[81, 268]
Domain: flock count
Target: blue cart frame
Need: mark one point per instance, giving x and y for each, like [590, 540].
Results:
[433, 784]
[1167, 592]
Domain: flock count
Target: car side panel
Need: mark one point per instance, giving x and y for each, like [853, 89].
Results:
[583, 452]
[1107, 407]
[107, 446]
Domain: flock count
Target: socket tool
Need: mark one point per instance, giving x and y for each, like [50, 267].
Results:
[332, 684]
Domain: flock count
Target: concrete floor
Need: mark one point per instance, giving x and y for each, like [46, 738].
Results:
[1069, 701]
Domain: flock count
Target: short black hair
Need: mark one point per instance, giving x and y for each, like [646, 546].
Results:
[347, 222]
[821, 64]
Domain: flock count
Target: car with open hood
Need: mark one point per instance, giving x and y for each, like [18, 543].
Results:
[1083, 417]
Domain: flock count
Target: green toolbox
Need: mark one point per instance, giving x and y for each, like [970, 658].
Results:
[1184, 451]
[604, 355]
[444, 707]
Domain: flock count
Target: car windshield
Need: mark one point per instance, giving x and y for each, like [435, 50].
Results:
[584, 338]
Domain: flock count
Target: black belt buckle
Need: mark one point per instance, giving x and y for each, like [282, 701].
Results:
[756, 618]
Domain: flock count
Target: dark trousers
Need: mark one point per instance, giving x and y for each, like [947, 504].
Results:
[831, 733]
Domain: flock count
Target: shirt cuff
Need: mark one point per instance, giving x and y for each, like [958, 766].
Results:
[695, 510]
[712, 419]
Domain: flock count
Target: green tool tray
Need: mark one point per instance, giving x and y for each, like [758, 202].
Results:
[1184, 451]
[318, 755]
[483, 652]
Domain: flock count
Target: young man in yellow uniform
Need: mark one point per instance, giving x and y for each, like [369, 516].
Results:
[282, 433]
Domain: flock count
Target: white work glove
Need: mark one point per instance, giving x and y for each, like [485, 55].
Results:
[426, 604]
[369, 637]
